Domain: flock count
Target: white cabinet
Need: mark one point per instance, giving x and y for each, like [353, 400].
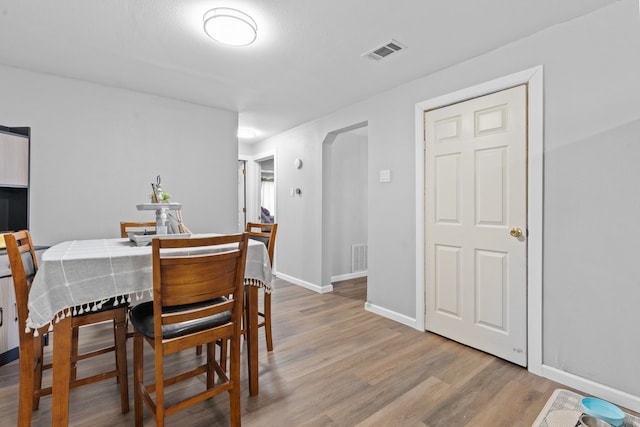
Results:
[9, 330]
[4, 342]
[14, 160]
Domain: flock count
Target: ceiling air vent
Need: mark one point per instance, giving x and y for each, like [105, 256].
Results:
[384, 50]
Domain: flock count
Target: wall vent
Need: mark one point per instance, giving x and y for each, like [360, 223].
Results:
[359, 257]
[384, 50]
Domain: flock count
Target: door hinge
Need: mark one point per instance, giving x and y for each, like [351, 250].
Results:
[424, 136]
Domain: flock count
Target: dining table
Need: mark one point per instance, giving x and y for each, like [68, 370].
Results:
[83, 274]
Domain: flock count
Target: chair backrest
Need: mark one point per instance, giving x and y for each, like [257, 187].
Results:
[126, 227]
[198, 272]
[24, 265]
[265, 233]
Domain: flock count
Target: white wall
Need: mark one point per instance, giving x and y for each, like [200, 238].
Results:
[349, 213]
[592, 123]
[95, 150]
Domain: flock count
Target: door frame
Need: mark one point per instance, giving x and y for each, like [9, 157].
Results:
[253, 182]
[242, 227]
[533, 77]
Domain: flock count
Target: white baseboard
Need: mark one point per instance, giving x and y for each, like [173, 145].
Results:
[348, 276]
[601, 391]
[384, 312]
[304, 284]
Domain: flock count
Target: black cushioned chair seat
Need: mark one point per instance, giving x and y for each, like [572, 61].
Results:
[263, 239]
[141, 317]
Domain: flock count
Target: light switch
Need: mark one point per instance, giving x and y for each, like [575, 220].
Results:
[385, 175]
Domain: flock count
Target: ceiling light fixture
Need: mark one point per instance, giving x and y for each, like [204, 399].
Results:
[230, 26]
[246, 133]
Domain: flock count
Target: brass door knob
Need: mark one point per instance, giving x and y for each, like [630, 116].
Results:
[516, 232]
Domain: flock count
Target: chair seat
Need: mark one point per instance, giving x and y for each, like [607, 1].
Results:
[141, 317]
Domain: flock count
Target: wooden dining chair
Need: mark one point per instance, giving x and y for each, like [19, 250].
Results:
[265, 233]
[126, 227]
[24, 266]
[198, 288]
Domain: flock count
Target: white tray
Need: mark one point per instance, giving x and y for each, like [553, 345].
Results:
[145, 239]
[155, 206]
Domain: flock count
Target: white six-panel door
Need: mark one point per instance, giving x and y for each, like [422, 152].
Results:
[475, 209]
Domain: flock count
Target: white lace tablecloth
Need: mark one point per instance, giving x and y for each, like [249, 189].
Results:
[86, 273]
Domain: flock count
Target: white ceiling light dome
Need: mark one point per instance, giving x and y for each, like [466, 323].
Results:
[230, 26]
[246, 133]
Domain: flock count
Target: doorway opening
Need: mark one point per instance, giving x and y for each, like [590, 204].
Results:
[257, 189]
[344, 205]
[267, 191]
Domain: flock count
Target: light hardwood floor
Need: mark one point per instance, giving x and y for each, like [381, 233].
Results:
[333, 364]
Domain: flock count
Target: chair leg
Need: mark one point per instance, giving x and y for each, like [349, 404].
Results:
[234, 403]
[120, 328]
[245, 317]
[267, 321]
[223, 354]
[234, 377]
[159, 385]
[211, 360]
[138, 372]
[74, 353]
[27, 399]
[38, 357]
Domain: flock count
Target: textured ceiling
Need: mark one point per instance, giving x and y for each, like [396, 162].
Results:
[305, 63]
